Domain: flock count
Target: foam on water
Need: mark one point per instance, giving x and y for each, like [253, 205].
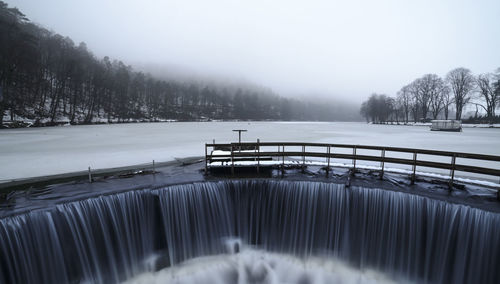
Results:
[258, 266]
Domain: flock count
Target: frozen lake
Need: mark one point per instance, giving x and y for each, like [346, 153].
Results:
[31, 152]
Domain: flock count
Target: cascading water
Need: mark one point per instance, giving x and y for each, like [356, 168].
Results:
[117, 237]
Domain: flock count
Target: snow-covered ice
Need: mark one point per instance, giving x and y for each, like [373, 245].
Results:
[34, 152]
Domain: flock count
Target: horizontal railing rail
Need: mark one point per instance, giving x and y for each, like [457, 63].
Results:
[365, 147]
[234, 152]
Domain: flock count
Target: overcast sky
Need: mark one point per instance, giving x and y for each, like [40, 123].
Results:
[345, 49]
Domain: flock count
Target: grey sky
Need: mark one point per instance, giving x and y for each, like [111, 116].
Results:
[344, 49]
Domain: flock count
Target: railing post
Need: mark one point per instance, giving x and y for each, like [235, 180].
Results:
[452, 171]
[279, 151]
[232, 160]
[382, 163]
[328, 160]
[90, 176]
[354, 158]
[154, 169]
[413, 177]
[303, 158]
[206, 159]
[258, 155]
[283, 164]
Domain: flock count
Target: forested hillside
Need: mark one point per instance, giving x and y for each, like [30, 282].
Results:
[47, 78]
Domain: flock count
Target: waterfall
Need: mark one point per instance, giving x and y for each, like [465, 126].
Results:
[112, 238]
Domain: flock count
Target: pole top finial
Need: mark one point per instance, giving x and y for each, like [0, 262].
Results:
[239, 133]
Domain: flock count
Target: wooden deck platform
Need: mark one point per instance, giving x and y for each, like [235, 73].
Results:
[273, 154]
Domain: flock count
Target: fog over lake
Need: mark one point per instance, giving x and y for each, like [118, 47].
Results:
[338, 49]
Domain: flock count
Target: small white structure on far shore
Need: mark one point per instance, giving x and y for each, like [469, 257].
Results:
[446, 125]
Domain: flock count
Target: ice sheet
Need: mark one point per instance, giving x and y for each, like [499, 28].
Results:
[34, 152]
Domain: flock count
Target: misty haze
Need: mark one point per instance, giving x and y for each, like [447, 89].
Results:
[166, 141]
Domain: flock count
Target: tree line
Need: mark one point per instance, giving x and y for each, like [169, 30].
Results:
[433, 97]
[46, 77]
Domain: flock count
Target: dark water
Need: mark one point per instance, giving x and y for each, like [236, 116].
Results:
[113, 238]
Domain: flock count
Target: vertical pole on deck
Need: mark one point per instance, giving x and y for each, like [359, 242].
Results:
[154, 168]
[258, 155]
[303, 158]
[206, 159]
[90, 176]
[452, 171]
[382, 163]
[254, 153]
[413, 177]
[232, 160]
[328, 161]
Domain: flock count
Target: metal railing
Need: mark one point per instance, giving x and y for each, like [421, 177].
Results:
[234, 152]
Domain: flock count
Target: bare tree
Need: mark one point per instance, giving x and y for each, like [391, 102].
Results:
[437, 105]
[427, 90]
[391, 109]
[378, 108]
[414, 106]
[462, 84]
[438, 91]
[486, 91]
[447, 101]
[496, 86]
[404, 100]
[364, 111]
[420, 97]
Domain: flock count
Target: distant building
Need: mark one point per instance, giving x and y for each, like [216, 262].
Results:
[446, 125]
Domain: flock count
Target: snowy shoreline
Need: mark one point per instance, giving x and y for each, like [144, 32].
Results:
[8, 124]
[32, 124]
[428, 124]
